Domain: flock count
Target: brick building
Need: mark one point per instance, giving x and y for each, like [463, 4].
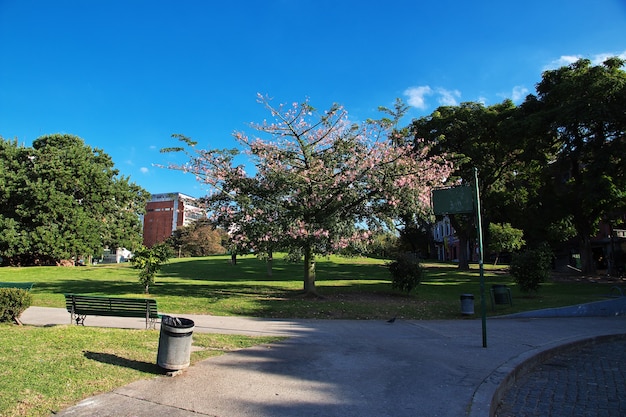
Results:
[167, 212]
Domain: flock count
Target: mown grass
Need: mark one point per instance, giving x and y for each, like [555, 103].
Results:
[351, 288]
[43, 370]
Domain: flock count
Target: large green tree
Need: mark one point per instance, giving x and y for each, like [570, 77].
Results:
[579, 118]
[63, 199]
[475, 136]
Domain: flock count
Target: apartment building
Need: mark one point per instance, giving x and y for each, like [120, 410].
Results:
[165, 213]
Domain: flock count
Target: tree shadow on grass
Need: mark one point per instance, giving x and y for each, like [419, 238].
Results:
[250, 268]
[146, 367]
[89, 286]
[217, 269]
[162, 288]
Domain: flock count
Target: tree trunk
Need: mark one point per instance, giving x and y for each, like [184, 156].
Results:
[233, 258]
[463, 261]
[587, 264]
[309, 272]
[497, 259]
[585, 231]
[269, 263]
[463, 239]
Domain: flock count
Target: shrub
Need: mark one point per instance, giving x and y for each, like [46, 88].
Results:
[149, 262]
[406, 273]
[13, 302]
[504, 238]
[531, 267]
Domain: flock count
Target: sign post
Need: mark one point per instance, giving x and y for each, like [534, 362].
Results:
[465, 200]
[479, 229]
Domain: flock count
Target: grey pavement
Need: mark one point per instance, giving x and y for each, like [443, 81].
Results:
[346, 368]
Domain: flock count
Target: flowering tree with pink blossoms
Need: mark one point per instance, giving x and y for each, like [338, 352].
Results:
[321, 182]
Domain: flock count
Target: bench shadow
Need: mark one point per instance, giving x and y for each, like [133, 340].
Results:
[147, 367]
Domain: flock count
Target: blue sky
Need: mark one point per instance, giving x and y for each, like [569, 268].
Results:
[126, 75]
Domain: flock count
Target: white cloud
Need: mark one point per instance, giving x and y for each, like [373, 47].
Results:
[600, 58]
[596, 59]
[144, 170]
[417, 96]
[519, 93]
[448, 97]
[562, 61]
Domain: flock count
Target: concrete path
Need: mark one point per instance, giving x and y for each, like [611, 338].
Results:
[340, 367]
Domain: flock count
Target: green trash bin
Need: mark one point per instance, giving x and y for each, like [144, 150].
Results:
[467, 304]
[175, 343]
[501, 294]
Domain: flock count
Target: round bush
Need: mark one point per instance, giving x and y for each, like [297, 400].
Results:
[13, 302]
[406, 273]
[531, 267]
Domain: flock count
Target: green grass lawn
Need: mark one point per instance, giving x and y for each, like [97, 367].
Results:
[46, 369]
[351, 288]
[43, 370]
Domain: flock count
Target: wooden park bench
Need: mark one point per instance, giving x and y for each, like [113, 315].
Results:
[20, 285]
[80, 306]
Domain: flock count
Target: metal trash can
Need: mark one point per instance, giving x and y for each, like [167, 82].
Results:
[501, 294]
[467, 304]
[175, 343]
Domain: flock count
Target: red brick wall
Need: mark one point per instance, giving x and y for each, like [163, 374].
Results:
[157, 222]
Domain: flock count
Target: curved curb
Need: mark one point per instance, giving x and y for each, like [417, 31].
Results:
[602, 308]
[493, 388]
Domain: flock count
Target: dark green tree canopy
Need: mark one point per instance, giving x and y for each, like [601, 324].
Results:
[553, 164]
[580, 121]
[62, 199]
[475, 136]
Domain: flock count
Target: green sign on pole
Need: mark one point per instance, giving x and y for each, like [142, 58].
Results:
[455, 200]
[465, 200]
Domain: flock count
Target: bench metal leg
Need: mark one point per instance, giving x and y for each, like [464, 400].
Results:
[151, 323]
[80, 319]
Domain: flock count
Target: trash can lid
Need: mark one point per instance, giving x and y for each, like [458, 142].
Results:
[177, 322]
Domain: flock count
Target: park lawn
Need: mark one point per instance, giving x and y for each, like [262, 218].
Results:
[46, 369]
[351, 288]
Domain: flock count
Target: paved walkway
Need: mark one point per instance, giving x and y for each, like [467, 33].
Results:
[343, 367]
